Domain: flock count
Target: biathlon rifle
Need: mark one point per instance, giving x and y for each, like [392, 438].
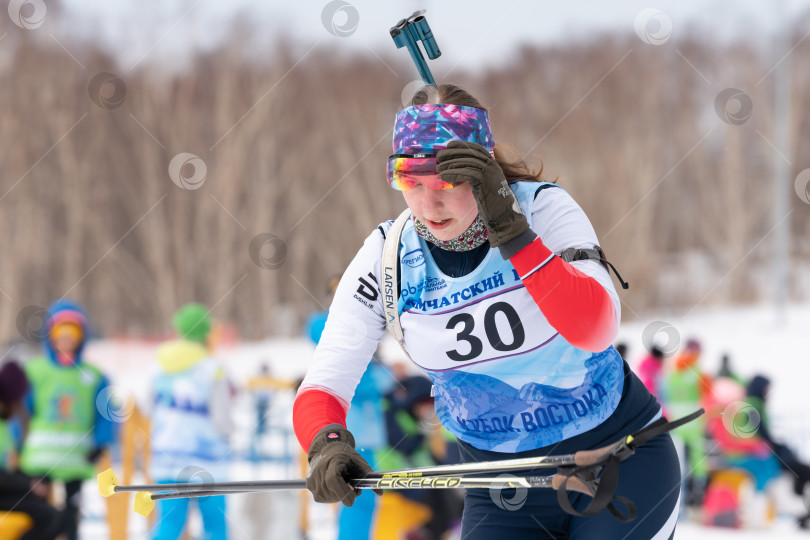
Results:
[408, 33]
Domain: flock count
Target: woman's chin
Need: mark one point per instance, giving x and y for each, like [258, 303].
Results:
[450, 229]
[444, 235]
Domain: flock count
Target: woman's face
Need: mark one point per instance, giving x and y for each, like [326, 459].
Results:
[446, 212]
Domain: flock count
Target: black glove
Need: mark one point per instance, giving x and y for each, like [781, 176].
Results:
[333, 461]
[507, 227]
[93, 455]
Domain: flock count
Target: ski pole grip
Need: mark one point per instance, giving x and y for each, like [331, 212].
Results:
[586, 458]
[573, 484]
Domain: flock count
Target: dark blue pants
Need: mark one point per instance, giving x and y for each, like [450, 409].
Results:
[651, 479]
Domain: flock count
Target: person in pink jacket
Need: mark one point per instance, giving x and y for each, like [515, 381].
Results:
[649, 371]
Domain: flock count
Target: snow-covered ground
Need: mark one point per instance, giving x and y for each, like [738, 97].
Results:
[755, 339]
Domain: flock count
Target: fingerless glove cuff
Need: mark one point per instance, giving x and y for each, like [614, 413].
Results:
[511, 247]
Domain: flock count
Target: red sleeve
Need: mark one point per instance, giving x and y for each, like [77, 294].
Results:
[574, 303]
[313, 410]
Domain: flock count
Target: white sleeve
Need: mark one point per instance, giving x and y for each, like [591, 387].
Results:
[354, 326]
[561, 224]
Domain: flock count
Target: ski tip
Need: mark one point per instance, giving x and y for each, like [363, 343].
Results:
[107, 482]
[144, 503]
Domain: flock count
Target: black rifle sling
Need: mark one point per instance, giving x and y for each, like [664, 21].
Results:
[596, 254]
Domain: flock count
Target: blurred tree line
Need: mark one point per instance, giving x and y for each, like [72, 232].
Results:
[294, 141]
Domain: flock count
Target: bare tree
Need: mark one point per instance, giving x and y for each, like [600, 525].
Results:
[294, 149]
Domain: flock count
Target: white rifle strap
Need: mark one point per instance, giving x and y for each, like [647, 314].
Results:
[390, 270]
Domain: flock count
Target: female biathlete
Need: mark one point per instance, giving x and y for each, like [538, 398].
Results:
[516, 340]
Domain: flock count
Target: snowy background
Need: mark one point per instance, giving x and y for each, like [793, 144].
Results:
[120, 234]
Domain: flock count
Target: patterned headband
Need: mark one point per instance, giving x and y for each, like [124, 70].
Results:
[428, 128]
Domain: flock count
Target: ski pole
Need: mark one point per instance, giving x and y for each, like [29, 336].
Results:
[622, 449]
[435, 482]
[108, 484]
[145, 500]
[147, 494]
[592, 472]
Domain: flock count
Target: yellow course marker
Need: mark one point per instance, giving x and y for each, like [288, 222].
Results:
[107, 482]
[144, 503]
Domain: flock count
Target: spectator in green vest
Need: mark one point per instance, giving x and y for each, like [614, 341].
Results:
[686, 388]
[71, 423]
[18, 491]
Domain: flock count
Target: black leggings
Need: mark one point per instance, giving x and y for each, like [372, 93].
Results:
[46, 519]
[70, 515]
